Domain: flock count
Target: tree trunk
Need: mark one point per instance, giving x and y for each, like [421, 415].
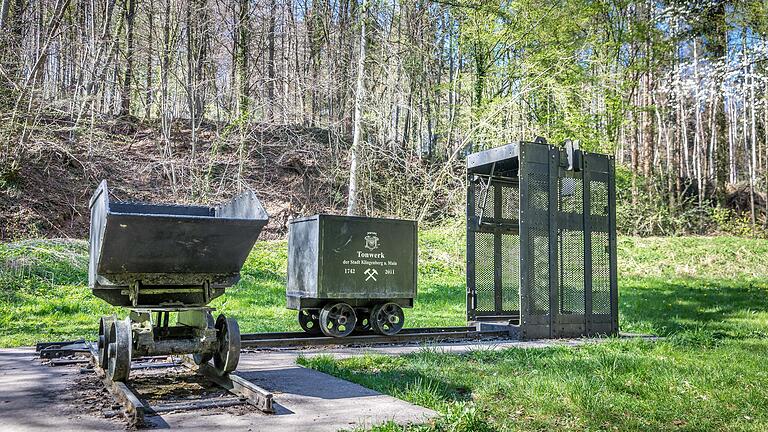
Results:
[356, 153]
[192, 41]
[719, 50]
[271, 61]
[150, 38]
[4, 13]
[130, 13]
[753, 149]
[244, 37]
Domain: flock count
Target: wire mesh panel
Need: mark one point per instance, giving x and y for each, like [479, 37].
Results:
[484, 201]
[510, 273]
[598, 198]
[493, 249]
[571, 195]
[510, 202]
[484, 273]
[571, 268]
[600, 230]
[538, 283]
[535, 241]
[568, 317]
[601, 277]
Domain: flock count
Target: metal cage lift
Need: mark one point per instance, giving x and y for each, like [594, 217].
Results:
[541, 240]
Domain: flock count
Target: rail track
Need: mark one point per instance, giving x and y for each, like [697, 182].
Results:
[405, 336]
[242, 391]
[133, 403]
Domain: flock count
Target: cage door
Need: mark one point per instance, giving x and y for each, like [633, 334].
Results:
[493, 250]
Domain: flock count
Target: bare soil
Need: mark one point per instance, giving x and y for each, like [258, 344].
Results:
[155, 387]
[294, 170]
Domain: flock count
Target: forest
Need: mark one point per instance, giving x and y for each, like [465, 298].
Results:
[652, 318]
[371, 106]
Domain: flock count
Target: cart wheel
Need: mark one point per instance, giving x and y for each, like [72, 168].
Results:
[105, 325]
[387, 319]
[337, 319]
[309, 322]
[227, 355]
[363, 321]
[203, 358]
[119, 350]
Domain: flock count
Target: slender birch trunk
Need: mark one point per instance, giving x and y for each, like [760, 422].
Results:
[356, 153]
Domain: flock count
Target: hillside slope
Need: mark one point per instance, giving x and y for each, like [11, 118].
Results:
[294, 170]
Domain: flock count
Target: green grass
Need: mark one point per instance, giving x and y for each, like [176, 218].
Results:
[686, 384]
[44, 291]
[708, 295]
[44, 294]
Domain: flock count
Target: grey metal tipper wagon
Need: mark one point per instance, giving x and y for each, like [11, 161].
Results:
[348, 273]
[541, 240]
[158, 259]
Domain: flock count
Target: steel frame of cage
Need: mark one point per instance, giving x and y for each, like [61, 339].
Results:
[541, 240]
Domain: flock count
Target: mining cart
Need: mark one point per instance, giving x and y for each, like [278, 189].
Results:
[165, 263]
[351, 273]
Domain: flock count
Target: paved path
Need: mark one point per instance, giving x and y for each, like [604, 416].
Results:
[38, 397]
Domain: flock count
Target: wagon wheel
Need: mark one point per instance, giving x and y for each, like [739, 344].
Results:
[119, 350]
[363, 324]
[337, 319]
[387, 319]
[309, 322]
[105, 326]
[227, 355]
[204, 357]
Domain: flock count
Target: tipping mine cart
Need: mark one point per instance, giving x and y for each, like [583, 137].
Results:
[541, 240]
[158, 259]
[348, 273]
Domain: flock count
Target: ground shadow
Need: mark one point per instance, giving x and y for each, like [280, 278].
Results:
[670, 306]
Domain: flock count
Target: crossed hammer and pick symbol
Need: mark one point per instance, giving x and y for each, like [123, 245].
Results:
[371, 273]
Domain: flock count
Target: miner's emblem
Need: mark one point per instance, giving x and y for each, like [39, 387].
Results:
[371, 241]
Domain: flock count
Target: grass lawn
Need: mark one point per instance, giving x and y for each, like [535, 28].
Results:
[44, 294]
[708, 294]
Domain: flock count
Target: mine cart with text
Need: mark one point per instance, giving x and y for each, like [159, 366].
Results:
[349, 273]
[541, 240]
[165, 263]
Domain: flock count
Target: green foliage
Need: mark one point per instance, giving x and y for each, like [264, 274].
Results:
[729, 221]
[651, 212]
[651, 215]
[44, 294]
[460, 417]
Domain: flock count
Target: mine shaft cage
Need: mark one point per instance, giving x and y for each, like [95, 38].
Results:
[541, 240]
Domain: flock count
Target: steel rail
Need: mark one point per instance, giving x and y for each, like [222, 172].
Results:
[300, 339]
[235, 384]
[133, 408]
[302, 335]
